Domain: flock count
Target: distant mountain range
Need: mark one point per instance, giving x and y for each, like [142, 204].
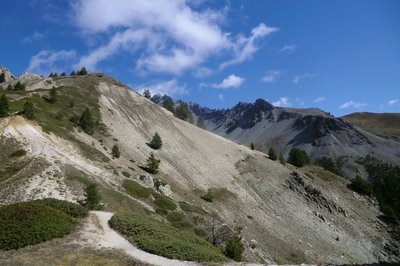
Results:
[317, 132]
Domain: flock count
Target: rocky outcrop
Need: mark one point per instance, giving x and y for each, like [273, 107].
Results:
[5, 75]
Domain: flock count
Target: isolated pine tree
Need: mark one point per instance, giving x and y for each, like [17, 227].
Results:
[115, 151]
[72, 73]
[4, 106]
[183, 112]
[28, 110]
[272, 154]
[147, 94]
[63, 74]
[152, 164]
[10, 87]
[156, 142]
[282, 159]
[252, 147]
[53, 95]
[86, 122]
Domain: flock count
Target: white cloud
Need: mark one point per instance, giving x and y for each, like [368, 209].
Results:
[272, 76]
[221, 97]
[304, 76]
[186, 38]
[232, 81]
[320, 99]
[282, 102]
[393, 102]
[352, 104]
[288, 48]
[169, 88]
[47, 61]
[245, 47]
[36, 36]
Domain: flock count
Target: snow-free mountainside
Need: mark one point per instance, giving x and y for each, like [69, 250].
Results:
[208, 191]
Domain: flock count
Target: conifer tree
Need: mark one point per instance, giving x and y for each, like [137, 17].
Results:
[183, 112]
[152, 164]
[63, 74]
[200, 123]
[72, 73]
[282, 159]
[147, 94]
[298, 157]
[4, 106]
[86, 122]
[115, 151]
[28, 109]
[272, 154]
[156, 142]
[252, 146]
[53, 95]
[169, 105]
[83, 71]
[10, 87]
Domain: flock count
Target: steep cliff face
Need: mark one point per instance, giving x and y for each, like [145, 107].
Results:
[288, 215]
[5, 75]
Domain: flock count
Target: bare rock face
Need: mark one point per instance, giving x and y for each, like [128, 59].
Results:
[5, 75]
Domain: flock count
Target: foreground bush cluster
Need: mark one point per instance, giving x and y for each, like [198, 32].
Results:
[163, 239]
[30, 223]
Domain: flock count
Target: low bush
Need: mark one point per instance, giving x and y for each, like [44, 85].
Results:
[178, 219]
[164, 202]
[93, 197]
[360, 186]
[190, 208]
[18, 153]
[24, 224]
[136, 190]
[163, 239]
[234, 248]
[69, 208]
[216, 194]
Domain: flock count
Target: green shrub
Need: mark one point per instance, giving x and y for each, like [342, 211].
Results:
[178, 219]
[69, 208]
[190, 208]
[163, 239]
[234, 248]
[389, 215]
[93, 197]
[152, 164]
[115, 151]
[126, 174]
[164, 202]
[156, 142]
[360, 186]
[4, 106]
[147, 94]
[86, 122]
[24, 224]
[136, 190]
[18, 153]
[28, 110]
[298, 157]
[330, 164]
[216, 194]
[272, 154]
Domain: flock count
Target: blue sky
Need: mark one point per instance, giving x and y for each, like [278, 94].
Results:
[341, 56]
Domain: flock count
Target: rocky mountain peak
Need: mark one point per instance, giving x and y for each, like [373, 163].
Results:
[5, 75]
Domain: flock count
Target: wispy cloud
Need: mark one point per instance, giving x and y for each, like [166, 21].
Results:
[159, 43]
[36, 36]
[47, 61]
[320, 99]
[283, 102]
[352, 104]
[221, 97]
[297, 79]
[288, 48]
[232, 81]
[170, 88]
[272, 76]
[393, 102]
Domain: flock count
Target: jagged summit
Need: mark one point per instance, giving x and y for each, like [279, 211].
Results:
[5, 75]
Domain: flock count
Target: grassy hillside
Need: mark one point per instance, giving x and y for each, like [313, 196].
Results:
[382, 124]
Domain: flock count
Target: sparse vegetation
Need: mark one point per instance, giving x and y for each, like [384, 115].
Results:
[27, 223]
[361, 186]
[178, 220]
[298, 157]
[18, 153]
[136, 190]
[216, 194]
[190, 208]
[152, 164]
[156, 142]
[252, 146]
[115, 151]
[234, 248]
[330, 164]
[163, 239]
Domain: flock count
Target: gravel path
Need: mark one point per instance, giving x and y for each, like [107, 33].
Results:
[108, 238]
